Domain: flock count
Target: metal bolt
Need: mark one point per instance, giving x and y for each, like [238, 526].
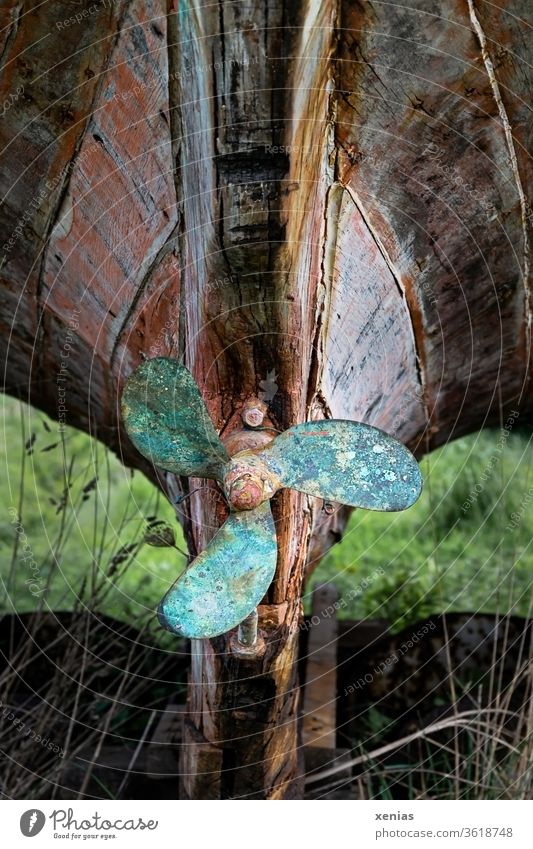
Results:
[247, 632]
[253, 417]
[253, 413]
[248, 643]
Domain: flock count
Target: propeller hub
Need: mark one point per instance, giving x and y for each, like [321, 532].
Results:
[246, 493]
[247, 483]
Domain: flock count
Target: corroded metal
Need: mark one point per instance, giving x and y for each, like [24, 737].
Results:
[253, 412]
[225, 582]
[256, 431]
[248, 482]
[248, 643]
[341, 461]
[247, 438]
[247, 630]
[344, 461]
[167, 420]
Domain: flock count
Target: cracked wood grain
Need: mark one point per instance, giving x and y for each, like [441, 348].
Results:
[509, 136]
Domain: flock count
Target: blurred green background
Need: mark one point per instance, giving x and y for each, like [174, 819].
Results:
[83, 516]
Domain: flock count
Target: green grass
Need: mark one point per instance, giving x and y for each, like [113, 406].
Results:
[402, 567]
[75, 534]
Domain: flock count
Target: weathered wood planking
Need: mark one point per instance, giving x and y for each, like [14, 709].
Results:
[120, 209]
[57, 73]
[369, 370]
[423, 144]
[307, 143]
[89, 155]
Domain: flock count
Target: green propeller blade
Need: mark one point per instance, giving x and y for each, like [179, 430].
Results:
[224, 584]
[167, 421]
[345, 461]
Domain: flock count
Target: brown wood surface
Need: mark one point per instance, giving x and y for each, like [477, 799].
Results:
[331, 193]
[320, 700]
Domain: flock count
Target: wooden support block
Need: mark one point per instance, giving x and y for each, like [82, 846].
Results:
[320, 697]
[201, 765]
[162, 752]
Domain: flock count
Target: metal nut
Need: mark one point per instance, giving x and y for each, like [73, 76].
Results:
[253, 416]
